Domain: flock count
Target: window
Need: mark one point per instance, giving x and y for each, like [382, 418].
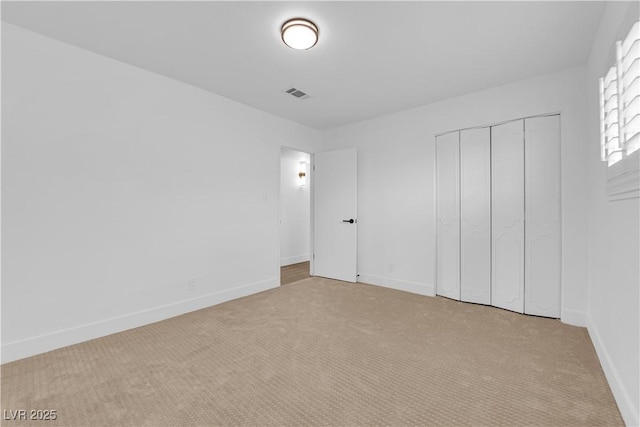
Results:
[620, 119]
[629, 60]
[609, 122]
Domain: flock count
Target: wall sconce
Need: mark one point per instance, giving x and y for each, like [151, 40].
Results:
[302, 175]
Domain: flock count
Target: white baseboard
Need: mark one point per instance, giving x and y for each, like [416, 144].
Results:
[574, 317]
[625, 403]
[400, 285]
[35, 345]
[294, 259]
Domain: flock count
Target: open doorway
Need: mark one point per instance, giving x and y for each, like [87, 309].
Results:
[295, 215]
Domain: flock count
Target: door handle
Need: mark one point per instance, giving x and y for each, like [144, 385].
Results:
[350, 221]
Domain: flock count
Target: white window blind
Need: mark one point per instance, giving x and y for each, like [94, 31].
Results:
[629, 63]
[609, 122]
[620, 101]
[620, 119]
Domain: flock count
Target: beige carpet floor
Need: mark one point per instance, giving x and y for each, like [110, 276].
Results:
[294, 272]
[323, 352]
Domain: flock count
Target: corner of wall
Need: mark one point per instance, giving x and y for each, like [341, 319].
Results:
[573, 317]
[614, 378]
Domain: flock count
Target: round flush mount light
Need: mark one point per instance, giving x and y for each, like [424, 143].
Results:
[299, 33]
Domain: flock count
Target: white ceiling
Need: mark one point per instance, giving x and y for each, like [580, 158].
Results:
[373, 58]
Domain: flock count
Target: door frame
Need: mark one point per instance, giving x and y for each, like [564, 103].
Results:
[310, 183]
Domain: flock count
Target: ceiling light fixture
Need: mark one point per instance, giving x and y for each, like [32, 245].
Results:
[299, 33]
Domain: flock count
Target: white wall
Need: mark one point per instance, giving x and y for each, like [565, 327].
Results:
[396, 234]
[613, 319]
[118, 185]
[295, 208]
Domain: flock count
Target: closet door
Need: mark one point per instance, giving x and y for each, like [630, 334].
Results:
[447, 216]
[507, 212]
[542, 228]
[475, 215]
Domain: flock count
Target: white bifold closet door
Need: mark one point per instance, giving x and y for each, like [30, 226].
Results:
[475, 215]
[507, 214]
[447, 216]
[542, 206]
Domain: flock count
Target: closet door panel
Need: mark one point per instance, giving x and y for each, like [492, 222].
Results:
[542, 230]
[448, 212]
[507, 212]
[475, 216]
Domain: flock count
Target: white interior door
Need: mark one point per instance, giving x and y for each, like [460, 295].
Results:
[475, 215]
[507, 211]
[335, 214]
[542, 227]
[448, 216]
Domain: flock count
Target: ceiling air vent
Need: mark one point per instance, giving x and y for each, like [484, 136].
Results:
[297, 93]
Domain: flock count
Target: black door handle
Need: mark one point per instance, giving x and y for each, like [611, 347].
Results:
[350, 221]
